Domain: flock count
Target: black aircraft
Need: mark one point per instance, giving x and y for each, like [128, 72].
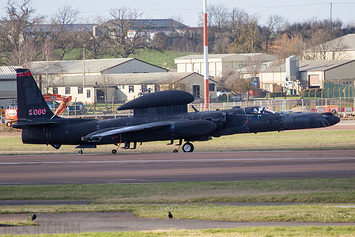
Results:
[156, 117]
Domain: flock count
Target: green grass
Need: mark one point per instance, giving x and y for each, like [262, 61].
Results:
[165, 59]
[316, 139]
[289, 191]
[313, 231]
[330, 213]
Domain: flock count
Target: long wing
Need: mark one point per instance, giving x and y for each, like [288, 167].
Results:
[97, 135]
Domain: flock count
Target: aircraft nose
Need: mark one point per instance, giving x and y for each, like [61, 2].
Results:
[335, 120]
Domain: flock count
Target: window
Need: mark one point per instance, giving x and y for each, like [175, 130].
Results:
[131, 89]
[67, 90]
[80, 90]
[211, 87]
[88, 93]
[55, 90]
[196, 91]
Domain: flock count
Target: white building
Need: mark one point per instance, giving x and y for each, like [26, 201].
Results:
[219, 63]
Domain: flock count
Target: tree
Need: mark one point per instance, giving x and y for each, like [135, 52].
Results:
[284, 46]
[24, 38]
[96, 39]
[274, 24]
[160, 42]
[126, 21]
[63, 29]
[244, 33]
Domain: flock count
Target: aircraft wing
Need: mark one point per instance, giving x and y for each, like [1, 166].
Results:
[97, 135]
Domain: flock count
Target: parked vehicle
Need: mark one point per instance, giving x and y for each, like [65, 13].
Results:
[79, 107]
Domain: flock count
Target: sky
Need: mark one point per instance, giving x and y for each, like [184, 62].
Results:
[188, 11]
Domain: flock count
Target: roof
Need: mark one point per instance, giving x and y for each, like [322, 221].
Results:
[313, 65]
[8, 72]
[156, 24]
[126, 79]
[76, 66]
[241, 57]
[348, 41]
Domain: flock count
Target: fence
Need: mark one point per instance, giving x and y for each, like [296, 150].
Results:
[330, 90]
[315, 104]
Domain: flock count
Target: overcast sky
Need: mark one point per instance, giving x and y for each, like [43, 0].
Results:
[188, 10]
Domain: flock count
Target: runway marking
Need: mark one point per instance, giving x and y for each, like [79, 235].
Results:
[161, 161]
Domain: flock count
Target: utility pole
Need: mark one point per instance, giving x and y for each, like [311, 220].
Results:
[84, 67]
[205, 55]
[331, 16]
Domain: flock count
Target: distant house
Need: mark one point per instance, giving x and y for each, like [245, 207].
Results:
[219, 63]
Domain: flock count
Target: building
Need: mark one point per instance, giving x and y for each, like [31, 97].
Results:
[125, 87]
[311, 74]
[8, 85]
[219, 63]
[120, 79]
[341, 48]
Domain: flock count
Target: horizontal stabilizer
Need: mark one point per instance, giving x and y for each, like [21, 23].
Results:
[32, 123]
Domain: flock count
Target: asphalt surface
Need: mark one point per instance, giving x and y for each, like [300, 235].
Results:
[175, 167]
[124, 221]
[162, 167]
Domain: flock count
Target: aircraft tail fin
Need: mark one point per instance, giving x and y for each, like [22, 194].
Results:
[32, 107]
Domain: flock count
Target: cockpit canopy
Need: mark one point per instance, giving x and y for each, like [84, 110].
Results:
[258, 110]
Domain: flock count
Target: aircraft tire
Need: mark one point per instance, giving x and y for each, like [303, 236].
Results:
[114, 151]
[80, 152]
[188, 147]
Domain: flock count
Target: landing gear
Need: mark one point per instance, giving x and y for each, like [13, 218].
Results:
[114, 151]
[80, 152]
[188, 147]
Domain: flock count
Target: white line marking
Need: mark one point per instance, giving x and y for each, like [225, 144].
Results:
[160, 161]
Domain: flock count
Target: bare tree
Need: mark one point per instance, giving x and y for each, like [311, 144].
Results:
[63, 29]
[95, 37]
[322, 46]
[274, 24]
[244, 32]
[128, 33]
[23, 38]
[105, 81]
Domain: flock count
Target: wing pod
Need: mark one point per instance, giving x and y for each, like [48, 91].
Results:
[191, 128]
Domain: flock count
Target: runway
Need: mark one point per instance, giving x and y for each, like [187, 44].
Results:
[175, 167]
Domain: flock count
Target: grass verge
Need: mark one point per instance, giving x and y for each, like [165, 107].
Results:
[329, 213]
[313, 231]
[317, 139]
[291, 191]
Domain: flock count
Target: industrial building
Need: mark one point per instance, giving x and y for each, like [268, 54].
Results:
[104, 80]
[297, 75]
[8, 86]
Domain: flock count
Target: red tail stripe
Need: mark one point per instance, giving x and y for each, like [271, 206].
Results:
[24, 74]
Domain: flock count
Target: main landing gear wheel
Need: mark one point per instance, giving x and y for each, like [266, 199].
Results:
[114, 151]
[80, 152]
[188, 147]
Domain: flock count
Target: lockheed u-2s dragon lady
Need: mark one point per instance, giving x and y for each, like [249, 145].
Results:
[157, 116]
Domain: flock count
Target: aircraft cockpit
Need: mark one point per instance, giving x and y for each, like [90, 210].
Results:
[259, 110]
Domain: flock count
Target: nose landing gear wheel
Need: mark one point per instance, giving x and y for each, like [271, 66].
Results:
[80, 152]
[114, 151]
[188, 147]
